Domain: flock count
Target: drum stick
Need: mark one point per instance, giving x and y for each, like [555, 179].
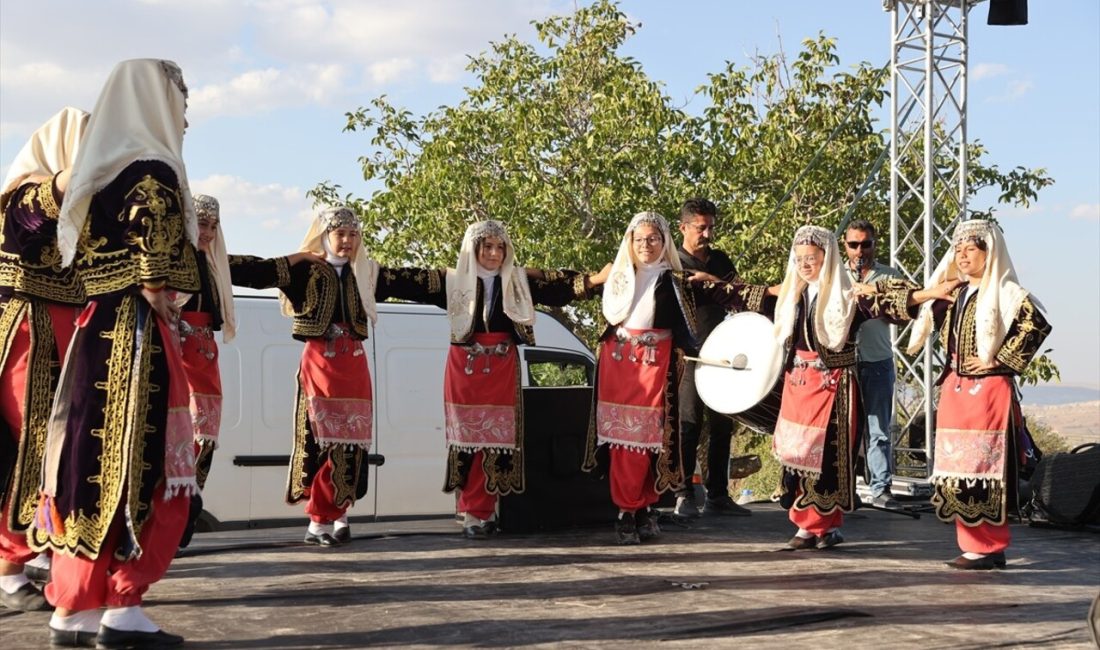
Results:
[738, 362]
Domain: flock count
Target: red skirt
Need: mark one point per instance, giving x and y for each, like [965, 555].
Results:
[335, 379]
[972, 428]
[809, 390]
[204, 380]
[479, 393]
[632, 378]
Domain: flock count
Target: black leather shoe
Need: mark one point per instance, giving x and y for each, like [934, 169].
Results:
[999, 559]
[484, 530]
[626, 532]
[725, 506]
[323, 539]
[964, 563]
[26, 598]
[112, 639]
[645, 522]
[342, 535]
[71, 639]
[829, 539]
[797, 543]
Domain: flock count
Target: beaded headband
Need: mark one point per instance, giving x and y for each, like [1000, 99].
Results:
[340, 217]
[815, 235]
[487, 228]
[649, 219]
[175, 75]
[206, 207]
[975, 230]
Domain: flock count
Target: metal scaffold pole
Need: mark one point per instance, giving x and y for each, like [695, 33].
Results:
[928, 188]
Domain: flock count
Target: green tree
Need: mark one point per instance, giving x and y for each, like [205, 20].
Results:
[565, 139]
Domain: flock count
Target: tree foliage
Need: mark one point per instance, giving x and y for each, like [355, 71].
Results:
[565, 139]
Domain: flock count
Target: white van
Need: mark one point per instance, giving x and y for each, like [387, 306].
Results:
[406, 352]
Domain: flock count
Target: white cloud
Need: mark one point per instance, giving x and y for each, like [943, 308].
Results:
[1014, 89]
[1086, 211]
[447, 69]
[263, 219]
[384, 72]
[987, 71]
[373, 30]
[257, 91]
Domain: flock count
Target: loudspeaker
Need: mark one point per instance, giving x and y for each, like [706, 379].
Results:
[1065, 488]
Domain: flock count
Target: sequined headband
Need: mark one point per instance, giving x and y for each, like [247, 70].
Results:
[649, 219]
[488, 228]
[974, 230]
[340, 217]
[813, 235]
[175, 75]
[206, 207]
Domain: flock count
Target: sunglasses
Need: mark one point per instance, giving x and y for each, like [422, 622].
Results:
[867, 243]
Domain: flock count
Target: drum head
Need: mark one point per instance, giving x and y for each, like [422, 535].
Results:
[746, 339]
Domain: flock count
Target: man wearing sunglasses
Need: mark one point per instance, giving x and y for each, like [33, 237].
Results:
[875, 364]
[697, 225]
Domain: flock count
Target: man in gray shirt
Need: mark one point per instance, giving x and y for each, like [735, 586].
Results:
[875, 364]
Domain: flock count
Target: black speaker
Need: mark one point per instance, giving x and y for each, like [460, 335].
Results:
[558, 493]
[1007, 12]
[1065, 488]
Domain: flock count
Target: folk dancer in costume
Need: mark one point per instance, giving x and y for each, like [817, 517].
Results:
[39, 302]
[490, 303]
[649, 305]
[816, 315]
[991, 328]
[208, 310]
[120, 463]
[333, 305]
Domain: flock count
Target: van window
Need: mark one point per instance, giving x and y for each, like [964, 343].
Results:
[556, 368]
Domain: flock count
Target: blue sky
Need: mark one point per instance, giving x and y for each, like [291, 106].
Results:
[271, 79]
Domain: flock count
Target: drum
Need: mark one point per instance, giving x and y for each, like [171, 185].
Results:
[762, 417]
[739, 371]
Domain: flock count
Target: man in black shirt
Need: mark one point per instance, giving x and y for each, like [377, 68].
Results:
[697, 217]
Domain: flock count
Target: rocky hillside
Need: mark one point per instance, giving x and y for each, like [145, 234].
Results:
[1077, 423]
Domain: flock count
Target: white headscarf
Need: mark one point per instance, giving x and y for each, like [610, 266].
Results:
[462, 282]
[139, 116]
[628, 295]
[218, 261]
[999, 292]
[50, 150]
[364, 268]
[834, 312]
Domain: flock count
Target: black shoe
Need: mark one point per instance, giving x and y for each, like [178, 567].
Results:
[626, 532]
[725, 506]
[342, 535]
[321, 539]
[26, 598]
[484, 530]
[964, 563]
[36, 573]
[645, 521]
[112, 639]
[999, 559]
[829, 539]
[797, 543]
[71, 639]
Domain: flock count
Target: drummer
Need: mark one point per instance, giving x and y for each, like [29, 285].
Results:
[816, 318]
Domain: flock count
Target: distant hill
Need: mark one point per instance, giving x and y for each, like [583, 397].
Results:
[1051, 394]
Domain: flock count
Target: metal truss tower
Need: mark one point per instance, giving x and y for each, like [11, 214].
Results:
[928, 185]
